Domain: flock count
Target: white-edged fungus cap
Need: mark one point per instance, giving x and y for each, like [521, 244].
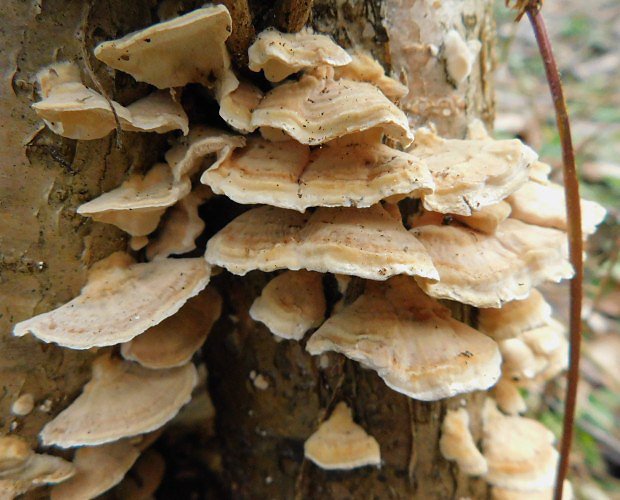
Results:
[357, 170]
[282, 54]
[316, 110]
[136, 206]
[457, 443]
[174, 53]
[122, 399]
[120, 300]
[291, 304]
[341, 444]
[98, 468]
[489, 270]
[174, 341]
[516, 317]
[519, 451]
[236, 107]
[471, 174]
[411, 341]
[367, 242]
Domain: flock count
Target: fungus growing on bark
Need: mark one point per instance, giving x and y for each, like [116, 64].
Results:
[280, 55]
[471, 174]
[508, 397]
[236, 108]
[411, 341]
[341, 444]
[137, 296]
[174, 341]
[367, 243]
[458, 444]
[459, 55]
[356, 170]
[291, 304]
[138, 204]
[487, 219]
[23, 405]
[144, 478]
[97, 469]
[122, 399]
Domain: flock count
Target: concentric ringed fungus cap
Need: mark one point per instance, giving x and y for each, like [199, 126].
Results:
[122, 399]
[471, 174]
[316, 110]
[172, 53]
[98, 468]
[341, 444]
[368, 243]
[174, 341]
[457, 443]
[120, 300]
[411, 341]
[291, 304]
[280, 55]
[138, 204]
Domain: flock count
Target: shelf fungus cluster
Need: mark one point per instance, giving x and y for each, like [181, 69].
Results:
[328, 156]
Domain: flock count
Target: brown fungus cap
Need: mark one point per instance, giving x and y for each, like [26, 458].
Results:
[282, 54]
[72, 110]
[174, 341]
[544, 205]
[173, 53]
[489, 270]
[471, 174]
[411, 341]
[291, 304]
[98, 468]
[457, 443]
[364, 68]
[138, 204]
[315, 110]
[519, 451]
[120, 300]
[341, 444]
[122, 399]
[144, 478]
[236, 107]
[357, 170]
[515, 317]
[368, 243]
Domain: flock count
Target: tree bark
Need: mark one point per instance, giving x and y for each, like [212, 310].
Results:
[45, 247]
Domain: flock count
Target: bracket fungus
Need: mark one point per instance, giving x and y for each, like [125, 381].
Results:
[457, 443]
[122, 399]
[137, 296]
[341, 444]
[411, 341]
[291, 304]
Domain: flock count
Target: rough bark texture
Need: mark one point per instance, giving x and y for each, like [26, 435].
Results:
[45, 248]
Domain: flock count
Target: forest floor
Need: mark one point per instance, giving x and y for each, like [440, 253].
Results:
[586, 40]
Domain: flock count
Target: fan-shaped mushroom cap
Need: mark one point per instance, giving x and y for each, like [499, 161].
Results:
[458, 444]
[144, 479]
[539, 172]
[122, 399]
[291, 304]
[138, 204]
[544, 205]
[119, 301]
[188, 154]
[357, 170]
[316, 110]
[488, 270]
[411, 341]
[181, 226]
[14, 451]
[98, 468]
[508, 397]
[546, 339]
[368, 243]
[487, 219]
[471, 174]
[174, 341]
[236, 107]
[173, 53]
[70, 109]
[519, 451]
[282, 54]
[518, 360]
[340, 443]
[364, 68]
[515, 317]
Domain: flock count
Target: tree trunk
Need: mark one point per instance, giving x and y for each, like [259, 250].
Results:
[45, 247]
